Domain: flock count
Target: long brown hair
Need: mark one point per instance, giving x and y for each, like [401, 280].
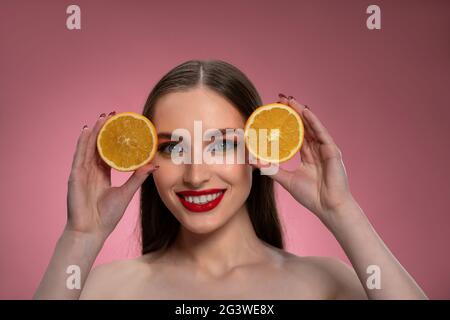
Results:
[159, 227]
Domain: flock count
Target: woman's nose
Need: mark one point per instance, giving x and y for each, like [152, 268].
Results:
[196, 175]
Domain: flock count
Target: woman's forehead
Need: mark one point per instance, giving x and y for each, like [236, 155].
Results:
[182, 109]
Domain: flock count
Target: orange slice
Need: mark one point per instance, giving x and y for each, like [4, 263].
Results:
[127, 141]
[289, 135]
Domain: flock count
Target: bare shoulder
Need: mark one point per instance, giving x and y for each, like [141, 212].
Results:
[344, 279]
[329, 277]
[348, 285]
[103, 280]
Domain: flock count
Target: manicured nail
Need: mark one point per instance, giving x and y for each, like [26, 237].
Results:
[290, 97]
[102, 115]
[281, 95]
[112, 113]
[153, 170]
[85, 127]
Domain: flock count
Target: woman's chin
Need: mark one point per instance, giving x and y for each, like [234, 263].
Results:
[202, 227]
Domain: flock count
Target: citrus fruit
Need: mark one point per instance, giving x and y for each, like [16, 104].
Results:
[127, 141]
[289, 135]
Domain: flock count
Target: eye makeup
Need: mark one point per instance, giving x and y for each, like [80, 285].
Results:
[223, 144]
[216, 144]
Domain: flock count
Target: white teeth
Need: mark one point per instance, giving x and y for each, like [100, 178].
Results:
[202, 199]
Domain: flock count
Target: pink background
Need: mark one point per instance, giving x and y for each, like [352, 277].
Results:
[383, 94]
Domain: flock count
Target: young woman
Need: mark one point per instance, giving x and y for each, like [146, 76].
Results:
[234, 250]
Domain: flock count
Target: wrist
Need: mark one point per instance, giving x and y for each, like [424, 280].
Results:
[80, 248]
[348, 214]
[92, 239]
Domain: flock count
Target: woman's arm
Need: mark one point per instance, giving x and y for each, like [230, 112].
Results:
[94, 208]
[321, 185]
[73, 250]
[368, 255]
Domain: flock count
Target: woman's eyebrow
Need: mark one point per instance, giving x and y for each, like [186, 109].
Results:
[166, 135]
[211, 132]
[223, 131]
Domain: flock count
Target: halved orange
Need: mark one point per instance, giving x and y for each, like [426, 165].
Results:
[289, 135]
[127, 141]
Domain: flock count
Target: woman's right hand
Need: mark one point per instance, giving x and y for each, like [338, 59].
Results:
[93, 206]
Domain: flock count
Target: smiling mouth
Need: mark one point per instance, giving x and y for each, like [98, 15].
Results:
[200, 201]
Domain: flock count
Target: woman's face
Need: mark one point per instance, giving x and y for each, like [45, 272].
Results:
[227, 185]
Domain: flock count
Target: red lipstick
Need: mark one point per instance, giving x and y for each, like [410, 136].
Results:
[198, 207]
[200, 192]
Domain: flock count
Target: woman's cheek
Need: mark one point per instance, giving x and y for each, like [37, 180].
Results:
[239, 176]
[166, 178]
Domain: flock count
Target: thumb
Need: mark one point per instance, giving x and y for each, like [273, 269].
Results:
[275, 172]
[137, 179]
[256, 163]
[283, 177]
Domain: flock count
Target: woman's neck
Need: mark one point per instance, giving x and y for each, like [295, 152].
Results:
[234, 244]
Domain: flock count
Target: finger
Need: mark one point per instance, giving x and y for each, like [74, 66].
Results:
[297, 106]
[92, 142]
[300, 108]
[98, 159]
[253, 161]
[138, 177]
[274, 171]
[104, 168]
[283, 99]
[283, 177]
[318, 128]
[80, 150]
[258, 163]
[260, 166]
[306, 152]
[309, 132]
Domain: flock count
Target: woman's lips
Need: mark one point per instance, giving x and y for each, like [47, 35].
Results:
[199, 207]
[200, 192]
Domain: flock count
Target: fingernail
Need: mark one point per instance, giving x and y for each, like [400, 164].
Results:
[306, 107]
[112, 113]
[281, 95]
[153, 169]
[85, 127]
[102, 115]
[290, 97]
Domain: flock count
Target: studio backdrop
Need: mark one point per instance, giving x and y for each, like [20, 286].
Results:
[381, 87]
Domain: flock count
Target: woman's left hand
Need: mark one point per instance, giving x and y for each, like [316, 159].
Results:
[320, 182]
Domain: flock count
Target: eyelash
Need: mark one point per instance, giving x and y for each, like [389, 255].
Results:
[162, 146]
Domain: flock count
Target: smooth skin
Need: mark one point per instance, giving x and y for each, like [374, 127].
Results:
[219, 256]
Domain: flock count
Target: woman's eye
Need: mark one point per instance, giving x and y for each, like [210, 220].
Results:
[220, 146]
[223, 145]
[169, 147]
